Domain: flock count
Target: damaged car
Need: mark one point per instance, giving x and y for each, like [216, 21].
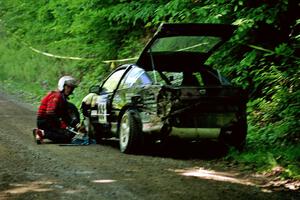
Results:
[169, 91]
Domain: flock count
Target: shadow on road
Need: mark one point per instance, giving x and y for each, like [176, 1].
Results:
[180, 149]
[187, 149]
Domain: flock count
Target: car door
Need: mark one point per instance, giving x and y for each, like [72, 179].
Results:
[107, 91]
[130, 86]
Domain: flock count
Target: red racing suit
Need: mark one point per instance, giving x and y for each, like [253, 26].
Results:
[53, 110]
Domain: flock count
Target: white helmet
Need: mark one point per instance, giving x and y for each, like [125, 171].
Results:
[66, 80]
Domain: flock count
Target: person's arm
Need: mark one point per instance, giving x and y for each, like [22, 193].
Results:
[53, 109]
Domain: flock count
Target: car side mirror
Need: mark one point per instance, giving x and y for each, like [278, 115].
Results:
[95, 89]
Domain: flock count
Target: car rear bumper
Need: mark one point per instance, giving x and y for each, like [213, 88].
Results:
[208, 133]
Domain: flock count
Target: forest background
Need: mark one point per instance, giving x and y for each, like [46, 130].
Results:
[43, 40]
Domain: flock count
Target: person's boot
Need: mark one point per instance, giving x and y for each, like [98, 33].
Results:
[38, 135]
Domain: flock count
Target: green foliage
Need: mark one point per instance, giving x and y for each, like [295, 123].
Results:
[266, 159]
[263, 56]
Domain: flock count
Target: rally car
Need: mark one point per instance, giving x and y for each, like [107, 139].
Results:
[169, 91]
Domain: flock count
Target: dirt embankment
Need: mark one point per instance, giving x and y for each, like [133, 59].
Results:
[177, 171]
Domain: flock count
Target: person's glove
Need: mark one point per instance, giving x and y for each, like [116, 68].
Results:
[63, 125]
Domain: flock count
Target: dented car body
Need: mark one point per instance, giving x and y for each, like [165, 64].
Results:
[169, 91]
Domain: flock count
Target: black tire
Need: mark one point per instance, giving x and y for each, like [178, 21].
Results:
[98, 133]
[73, 115]
[94, 131]
[130, 132]
[239, 137]
[235, 135]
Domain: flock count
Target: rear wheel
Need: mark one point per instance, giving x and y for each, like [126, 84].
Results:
[130, 132]
[235, 135]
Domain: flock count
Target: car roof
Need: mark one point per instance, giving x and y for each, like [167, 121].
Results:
[182, 59]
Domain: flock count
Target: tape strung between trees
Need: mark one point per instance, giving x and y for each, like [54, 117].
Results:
[57, 56]
[113, 62]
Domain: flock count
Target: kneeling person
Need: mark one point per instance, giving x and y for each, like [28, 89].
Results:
[55, 114]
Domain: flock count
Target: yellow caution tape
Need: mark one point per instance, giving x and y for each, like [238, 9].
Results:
[57, 56]
[112, 62]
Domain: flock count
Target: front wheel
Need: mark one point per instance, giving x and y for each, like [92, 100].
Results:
[94, 131]
[130, 132]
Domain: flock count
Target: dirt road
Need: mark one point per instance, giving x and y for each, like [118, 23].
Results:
[50, 171]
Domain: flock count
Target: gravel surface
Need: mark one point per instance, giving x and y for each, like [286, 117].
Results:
[177, 171]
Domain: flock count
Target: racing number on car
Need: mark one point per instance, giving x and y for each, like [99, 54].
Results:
[102, 111]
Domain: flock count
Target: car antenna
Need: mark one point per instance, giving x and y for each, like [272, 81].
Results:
[220, 77]
[152, 65]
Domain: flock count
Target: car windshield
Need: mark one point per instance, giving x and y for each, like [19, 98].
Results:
[112, 82]
[135, 78]
[202, 44]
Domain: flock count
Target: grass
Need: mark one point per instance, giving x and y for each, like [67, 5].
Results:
[268, 158]
[30, 75]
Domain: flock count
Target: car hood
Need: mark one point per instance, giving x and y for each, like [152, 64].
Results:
[181, 47]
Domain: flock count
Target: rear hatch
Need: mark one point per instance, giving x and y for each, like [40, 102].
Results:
[184, 48]
[180, 47]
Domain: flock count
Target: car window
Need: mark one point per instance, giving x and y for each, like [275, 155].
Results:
[143, 79]
[112, 82]
[214, 77]
[198, 79]
[181, 79]
[155, 76]
[136, 77]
